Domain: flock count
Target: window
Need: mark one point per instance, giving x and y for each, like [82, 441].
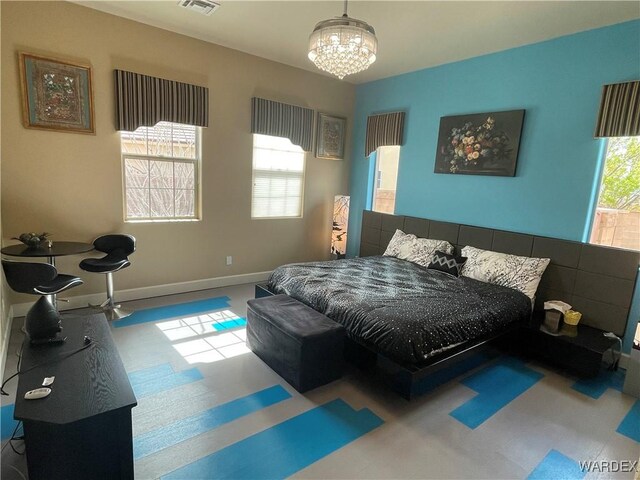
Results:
[278, 178]
[161, 172]
[617, 217]
[386, 177]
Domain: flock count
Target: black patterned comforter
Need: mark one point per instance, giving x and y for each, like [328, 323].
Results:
[398, 308]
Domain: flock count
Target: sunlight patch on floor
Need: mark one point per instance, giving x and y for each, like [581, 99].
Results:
[198, 341]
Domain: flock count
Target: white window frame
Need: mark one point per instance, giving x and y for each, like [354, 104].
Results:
[173, 160]
[594, 210]
[301, 175]
[376, 178]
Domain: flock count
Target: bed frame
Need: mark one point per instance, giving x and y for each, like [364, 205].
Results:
[597, 281]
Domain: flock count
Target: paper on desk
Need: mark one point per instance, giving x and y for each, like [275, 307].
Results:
[558, 305]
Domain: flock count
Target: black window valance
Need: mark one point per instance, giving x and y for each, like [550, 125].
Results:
[283, 120]
[143, 101]
[619, 114]
[384, 129]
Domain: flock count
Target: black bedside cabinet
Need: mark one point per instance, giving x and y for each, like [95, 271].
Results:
[581, 355]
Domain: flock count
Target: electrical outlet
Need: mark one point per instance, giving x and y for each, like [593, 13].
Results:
[229, 259]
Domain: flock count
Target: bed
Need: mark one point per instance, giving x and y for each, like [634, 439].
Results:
[399, 309]
[380, 300]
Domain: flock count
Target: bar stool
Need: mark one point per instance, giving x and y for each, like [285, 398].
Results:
[43, 322]
[117, 247]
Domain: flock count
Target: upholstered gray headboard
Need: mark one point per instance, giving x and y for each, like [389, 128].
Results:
[597, 281]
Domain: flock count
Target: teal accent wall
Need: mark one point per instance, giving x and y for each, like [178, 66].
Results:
[557, 82]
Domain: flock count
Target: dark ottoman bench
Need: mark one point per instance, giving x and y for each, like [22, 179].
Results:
[301, 345]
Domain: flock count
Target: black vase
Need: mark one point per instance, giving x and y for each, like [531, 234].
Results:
[43, 322]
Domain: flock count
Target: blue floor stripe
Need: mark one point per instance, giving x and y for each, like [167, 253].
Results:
[169, 435]
[172, 311]
[160, 378]
[497, 385]
[286, 448]
[7, 423]
[595, 387]
[630, 425]
[151, 373]
[556, 466]
[228, 324]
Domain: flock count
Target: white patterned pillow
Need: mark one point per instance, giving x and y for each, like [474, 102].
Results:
[520, 273]
[407, 246]
[400, 242]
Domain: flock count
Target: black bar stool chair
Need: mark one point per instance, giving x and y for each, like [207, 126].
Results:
[117, 247]
[43, 319]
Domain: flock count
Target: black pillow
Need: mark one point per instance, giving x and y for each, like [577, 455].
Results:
[447, 263]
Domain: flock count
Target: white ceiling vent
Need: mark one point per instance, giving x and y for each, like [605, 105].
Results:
[204, 7]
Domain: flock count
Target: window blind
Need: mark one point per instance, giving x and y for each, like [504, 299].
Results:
[278, 178]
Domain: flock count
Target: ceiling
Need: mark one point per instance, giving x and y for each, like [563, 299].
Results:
[411, 35]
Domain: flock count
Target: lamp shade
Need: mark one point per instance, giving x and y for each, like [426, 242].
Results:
[340, 224]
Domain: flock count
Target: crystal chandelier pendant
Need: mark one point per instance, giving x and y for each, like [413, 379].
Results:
[343, 45]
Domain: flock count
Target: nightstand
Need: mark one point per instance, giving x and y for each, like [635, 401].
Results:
[581, 354]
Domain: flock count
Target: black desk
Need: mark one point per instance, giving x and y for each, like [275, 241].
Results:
[83, 428]
[57, 249]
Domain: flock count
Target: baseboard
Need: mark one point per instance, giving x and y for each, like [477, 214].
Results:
[5, 343]
[20, 309]
[624, 360]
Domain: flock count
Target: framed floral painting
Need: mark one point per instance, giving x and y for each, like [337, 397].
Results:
[56, 94]
[330, 138]
[479, 144]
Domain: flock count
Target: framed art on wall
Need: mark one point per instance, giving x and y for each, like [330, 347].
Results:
[56, 94]
[330, 138]
[480, 143]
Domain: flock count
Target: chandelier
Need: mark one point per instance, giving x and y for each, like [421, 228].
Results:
[343, 45]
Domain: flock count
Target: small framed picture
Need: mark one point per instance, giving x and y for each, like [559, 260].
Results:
[56, 94]
[330, 138]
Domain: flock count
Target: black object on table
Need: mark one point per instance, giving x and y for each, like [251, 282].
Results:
[42, 322]
[581, 354]
[57, 249]
[83, 428]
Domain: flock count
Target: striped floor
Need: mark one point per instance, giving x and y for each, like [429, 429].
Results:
[208, 408]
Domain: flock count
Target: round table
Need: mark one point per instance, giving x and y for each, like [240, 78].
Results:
[57, 249]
